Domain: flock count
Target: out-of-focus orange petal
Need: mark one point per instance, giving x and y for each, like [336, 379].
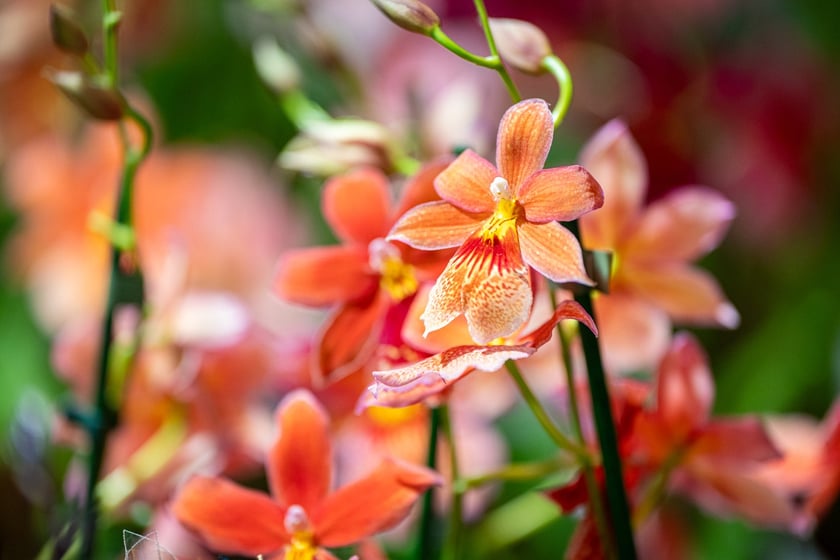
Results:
[685, 225]
[524, 139]
[357, 205]
[730, 441]
[685, 388]
[435, 225]
[561, 193]
[453, 363]
[322, 276]
[553, 251]
[349, 338]
[489, 282]
[230, 518]
[687, 294]
[466, 183]
[617, 163]
[421, 187]
[634, 333]
[299, 465]
[371, 505]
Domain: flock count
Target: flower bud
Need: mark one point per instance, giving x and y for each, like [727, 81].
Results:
[521, 44]
[412, 15]
[66, 32]
[276, 68]
[97, 100]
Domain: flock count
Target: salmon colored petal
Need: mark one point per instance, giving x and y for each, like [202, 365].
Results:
[634, 333]
[421, 187]
[230, 518]
[322, 276]
[685, 225]
[453, 363]
[466, 183]
[488, 281]
[565, 310]
[687, 294]
[736, 440]
[685, 388]
[524, 139]
[371, 505]
[456, 333]
[357, 205]
[434, 225]
[553, 251]
[299, 465]
[617, 163]
[349, 338]
[561, 193]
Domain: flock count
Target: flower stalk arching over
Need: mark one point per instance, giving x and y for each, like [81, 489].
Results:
[505, 221]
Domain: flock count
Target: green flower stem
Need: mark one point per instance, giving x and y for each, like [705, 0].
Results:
[446, 42]
[515, 472]
[655, 491]
[428, 544]
[593, 489]
[559, 438]
[560, 71]
[452, 550]
[491, 43]
[619, 508]
[110, 23]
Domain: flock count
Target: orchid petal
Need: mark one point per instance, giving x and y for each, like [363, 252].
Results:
[635, 333]
[299, 464]
[561, 193]
[685, 388]
[434, 225]
[565, 310]
[349, 338]
[687, 294]
[456, 333]
[733, 441]
[466, 183]
[553, 251]
[371, 505]
[357, 205]
[686, 224]
[617, 163]
[524, 138]
[230, 518]
[426, 386]
[322, 276]
[421, 187]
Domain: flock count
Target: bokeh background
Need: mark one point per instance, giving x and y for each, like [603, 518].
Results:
[743, 96]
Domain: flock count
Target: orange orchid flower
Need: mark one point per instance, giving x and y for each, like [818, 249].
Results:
[653, 280]
[504, 220]
[416, 382]
[301, 517]
[366, 275]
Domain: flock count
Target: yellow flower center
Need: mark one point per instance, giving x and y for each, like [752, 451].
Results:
[389, 417]
[507, 211]
[302, 545]
[396, 277]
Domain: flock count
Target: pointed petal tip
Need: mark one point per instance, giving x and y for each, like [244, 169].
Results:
[728, 316]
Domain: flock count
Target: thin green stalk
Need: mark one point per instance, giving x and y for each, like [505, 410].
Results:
[452, 550]
[446, 42]
[560, 71]
[491, 43]
[514, 472]
[110, 23]
[593, 489]
[618, 506]
[542, 416]
[428, 545]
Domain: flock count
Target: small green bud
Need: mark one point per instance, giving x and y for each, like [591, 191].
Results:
[276, 68]
[521, 44]
[67, 33]
[412, 15]
[96, 99]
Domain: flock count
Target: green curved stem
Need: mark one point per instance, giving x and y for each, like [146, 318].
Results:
[514, 472]
[452, 550]
[491, 43]
[560, 71]
[428, 545]
[446, 42]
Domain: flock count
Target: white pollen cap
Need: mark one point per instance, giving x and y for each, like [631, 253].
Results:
[500, 189]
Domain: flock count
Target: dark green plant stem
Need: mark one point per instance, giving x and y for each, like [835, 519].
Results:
[452, 550]
[618, 507]
[428, 545]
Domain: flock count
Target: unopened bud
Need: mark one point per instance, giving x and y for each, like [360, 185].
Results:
[276, 68]
[97, 100]
[521, 44]
[412, 15]
[66, 32]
